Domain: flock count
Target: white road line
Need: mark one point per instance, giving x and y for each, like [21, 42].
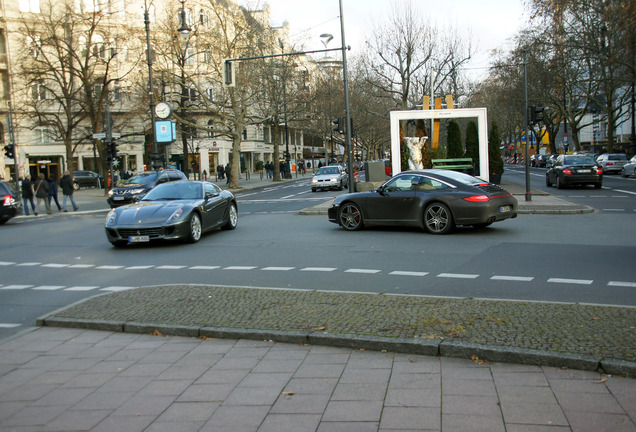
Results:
[571, 281]
[48, 287]
[408, 273]
[144, 267]
[116, 288]
[613, 210]
[170, 267]
[6, 263]
[319, 269]
[278, 268]
[110, 267]
[29, 264]
[364, 271]
[513, 278]
[622, 284]
[15, 287]
[288, 196]
[239, 268]
[54, 265]
[627, 192]
[204, 267]
[81, 288]
[81, 266]
[9, 325]
[457, 275]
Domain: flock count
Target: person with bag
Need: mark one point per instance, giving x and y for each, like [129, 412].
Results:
[42, 194]
[66, 183]
[27, 195]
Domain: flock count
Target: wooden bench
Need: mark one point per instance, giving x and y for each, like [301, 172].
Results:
[457, 164]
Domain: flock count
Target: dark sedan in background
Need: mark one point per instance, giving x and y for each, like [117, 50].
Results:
[84, 179]
[10, 205]
[574, 170]
[173, 211]
[134, 189]
[435, 200]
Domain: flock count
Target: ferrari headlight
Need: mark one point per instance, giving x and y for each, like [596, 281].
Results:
[174, 217]
[110, 218]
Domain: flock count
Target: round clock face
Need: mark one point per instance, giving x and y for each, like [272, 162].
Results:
[163, 110]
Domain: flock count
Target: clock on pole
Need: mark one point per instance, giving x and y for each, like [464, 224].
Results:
[163, 110]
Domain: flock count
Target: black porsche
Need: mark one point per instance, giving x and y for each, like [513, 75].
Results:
[173, 211]
[435, 200]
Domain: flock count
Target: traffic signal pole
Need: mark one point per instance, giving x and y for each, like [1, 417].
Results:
[346, 101]
[527, 151]
[15, 152]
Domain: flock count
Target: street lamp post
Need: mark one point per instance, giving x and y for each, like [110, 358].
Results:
[155, 153]
[287, 172]
[184, 30]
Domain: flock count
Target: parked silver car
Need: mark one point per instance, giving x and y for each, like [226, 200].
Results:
[629, 169]
[329, 177]
[612, 162]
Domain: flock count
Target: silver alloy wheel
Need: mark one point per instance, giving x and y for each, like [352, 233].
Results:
[438, 219]
[350, 217]
[195, 228]
[232, 218]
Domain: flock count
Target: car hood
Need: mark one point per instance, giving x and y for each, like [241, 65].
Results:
[148, 213]
[128, 186]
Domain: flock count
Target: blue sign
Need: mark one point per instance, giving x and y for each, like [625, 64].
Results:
[165, 131]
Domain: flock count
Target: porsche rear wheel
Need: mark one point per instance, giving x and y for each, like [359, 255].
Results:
[194, 235]
[438, 219]
[232, 218]
[350, 217]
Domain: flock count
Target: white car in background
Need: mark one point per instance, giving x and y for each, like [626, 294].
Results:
[329, 177]
[629, 169]
[612, 162]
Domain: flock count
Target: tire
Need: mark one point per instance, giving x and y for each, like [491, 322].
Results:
[194, 232]
[350, 217]
[232, 218]
[313, 190]
[76, 186]
[438, 219]
[340, 187]
[624, 173]
[598, 185]
[547, 181]
[559, 183]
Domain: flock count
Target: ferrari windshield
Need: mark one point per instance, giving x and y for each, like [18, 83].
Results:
[175, 191]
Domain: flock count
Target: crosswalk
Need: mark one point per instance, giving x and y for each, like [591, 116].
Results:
[64, 288]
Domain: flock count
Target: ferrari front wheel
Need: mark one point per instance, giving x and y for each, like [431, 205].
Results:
[232, 218]
[194, 234]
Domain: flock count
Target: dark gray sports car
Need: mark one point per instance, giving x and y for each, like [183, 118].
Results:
[173, 211]
[436, 200]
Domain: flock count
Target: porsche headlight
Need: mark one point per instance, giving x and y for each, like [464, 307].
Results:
[174, 217]
[110, 218]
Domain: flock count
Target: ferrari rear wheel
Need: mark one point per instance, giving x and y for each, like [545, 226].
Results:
[233, 218]
[350, 217]
[194, 235]
[438, 219]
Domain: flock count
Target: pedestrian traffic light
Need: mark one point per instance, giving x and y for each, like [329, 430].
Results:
[113, 148]
[10, 151]
[339, 125]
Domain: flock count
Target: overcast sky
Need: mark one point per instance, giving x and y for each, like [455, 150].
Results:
[490, 22]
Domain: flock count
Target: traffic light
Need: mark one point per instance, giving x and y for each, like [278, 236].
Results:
[113, 149]
[229, 74]
[339, 125]
[536, 114]
[10, 151]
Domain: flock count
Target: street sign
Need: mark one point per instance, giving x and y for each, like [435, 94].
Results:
[99, 135]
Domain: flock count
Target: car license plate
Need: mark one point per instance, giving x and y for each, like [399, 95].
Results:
[138, 239]
[504, 209]
[118, 198]
[584, 171]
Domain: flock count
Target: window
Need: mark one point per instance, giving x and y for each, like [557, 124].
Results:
[189, 94]
[117, 93]
[42, 135]
[30, 6]
[34, 45]
[267, 138]
[210, 128]
[38, 91]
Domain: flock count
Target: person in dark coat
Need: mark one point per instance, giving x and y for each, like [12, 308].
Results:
[27, 194]
[66, 182]
[228, 172]
[53, 192]
[219, 171]
[42, 193]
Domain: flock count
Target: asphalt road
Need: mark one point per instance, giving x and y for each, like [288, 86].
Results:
[52, 262]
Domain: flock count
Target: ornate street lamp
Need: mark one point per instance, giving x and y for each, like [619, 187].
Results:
[156, 164]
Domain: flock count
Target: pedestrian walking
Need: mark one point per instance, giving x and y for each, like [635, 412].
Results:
[53, 192]
[228, 172]
[66, 182]
[42, 193]
[27, 195]
[219, 171]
